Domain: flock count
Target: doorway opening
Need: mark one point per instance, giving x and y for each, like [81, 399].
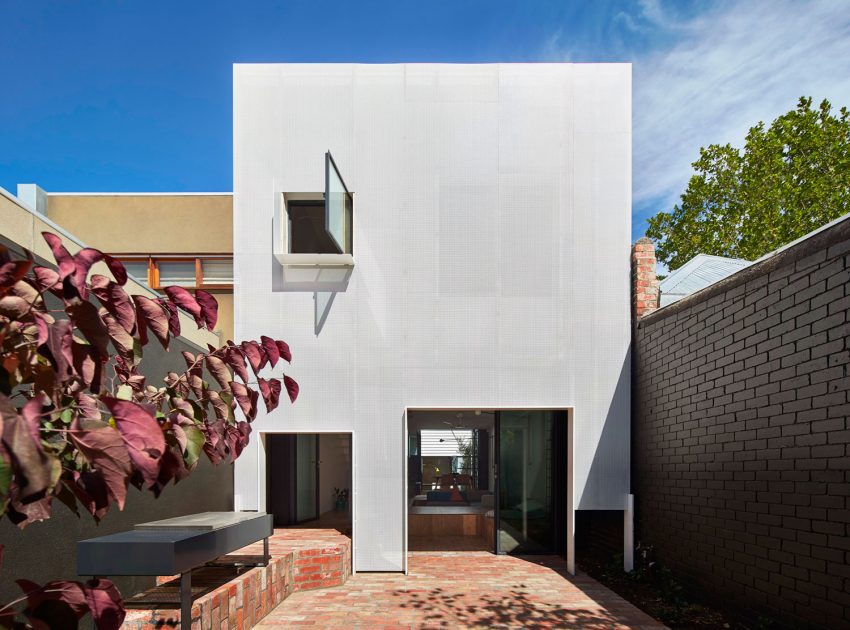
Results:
[308, 481]
[450, 480]
[488, 480]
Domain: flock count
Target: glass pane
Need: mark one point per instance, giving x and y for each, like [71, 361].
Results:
[217, 271]
[138, 269]
[338, 205]
[525, 482]
[306, 481]
[181, 273]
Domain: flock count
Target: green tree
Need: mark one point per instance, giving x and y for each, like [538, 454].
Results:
[791, 178]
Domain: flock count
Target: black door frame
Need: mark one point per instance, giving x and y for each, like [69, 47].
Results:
[497, 499]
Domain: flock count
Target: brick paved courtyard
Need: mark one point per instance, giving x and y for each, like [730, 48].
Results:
[457, 590]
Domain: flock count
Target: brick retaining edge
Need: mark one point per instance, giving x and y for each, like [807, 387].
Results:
[243, 601]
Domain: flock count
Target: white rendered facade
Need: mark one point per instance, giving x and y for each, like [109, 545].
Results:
[491, 240]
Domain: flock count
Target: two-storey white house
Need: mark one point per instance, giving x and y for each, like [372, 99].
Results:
[444, 247]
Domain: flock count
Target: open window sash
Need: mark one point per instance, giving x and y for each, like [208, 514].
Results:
[338, 207]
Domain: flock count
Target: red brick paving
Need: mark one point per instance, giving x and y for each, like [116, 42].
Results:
[463, 590]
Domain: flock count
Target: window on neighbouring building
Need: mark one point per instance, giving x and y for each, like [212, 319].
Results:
[216, 271]
[202, 272]
[138, 269]
[179, 272]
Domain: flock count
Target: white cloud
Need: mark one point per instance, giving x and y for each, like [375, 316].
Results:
[725, 71]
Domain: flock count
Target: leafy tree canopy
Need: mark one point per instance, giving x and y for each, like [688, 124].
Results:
[791, 178]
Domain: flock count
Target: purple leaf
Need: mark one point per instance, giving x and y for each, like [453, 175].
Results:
[142, 435]
[247, 399]
[11, 272]
[116, 267]
[291, 387]
[88, 365]
[214, 446]
[31, 412]
[57, 350]
[115, 300]
[236, 360]
[183, 299]
[121, 339]
[33, 467]
[255, 354]
[64, 260]
[209, 308]
[173, 317]
[14, 307]
[42, 603]
[104, 448]
[47, 278]
[83, 261]
[220, 406]
[218, 369]
[87, 319]
[283, 349]
[271, 392]
[270, 347]
[151, 315]
[91, 490]
[244, 431]
[42, 324]
[104, 603]
[88, 407]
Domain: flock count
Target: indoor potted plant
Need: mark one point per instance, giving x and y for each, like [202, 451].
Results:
[340, 499]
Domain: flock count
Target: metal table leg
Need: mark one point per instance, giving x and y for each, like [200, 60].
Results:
[186, 600]
[266, 558]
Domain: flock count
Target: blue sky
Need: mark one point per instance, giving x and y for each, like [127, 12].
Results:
[136, 95]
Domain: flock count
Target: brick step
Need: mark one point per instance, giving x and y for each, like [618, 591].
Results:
[239, 597]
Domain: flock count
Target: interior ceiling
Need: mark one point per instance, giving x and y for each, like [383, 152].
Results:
[449, 419]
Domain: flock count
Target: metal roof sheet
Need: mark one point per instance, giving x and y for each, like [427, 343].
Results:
[699, 272]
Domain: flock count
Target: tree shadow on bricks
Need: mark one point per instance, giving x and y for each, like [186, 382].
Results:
[513, 608]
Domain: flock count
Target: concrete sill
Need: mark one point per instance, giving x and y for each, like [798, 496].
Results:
[315, 260]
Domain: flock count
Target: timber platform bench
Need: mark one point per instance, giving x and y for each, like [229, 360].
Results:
[174, 546]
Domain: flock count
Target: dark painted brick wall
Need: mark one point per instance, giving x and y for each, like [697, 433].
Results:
[741, 433]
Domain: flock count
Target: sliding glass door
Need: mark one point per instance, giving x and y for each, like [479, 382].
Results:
[529, 497]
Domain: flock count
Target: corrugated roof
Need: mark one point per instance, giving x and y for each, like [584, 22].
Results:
[699, 272]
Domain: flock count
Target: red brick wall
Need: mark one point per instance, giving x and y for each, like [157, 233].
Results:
[644, 279]
[244, 601]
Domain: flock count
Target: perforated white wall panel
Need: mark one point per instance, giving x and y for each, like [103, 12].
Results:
[491, 246]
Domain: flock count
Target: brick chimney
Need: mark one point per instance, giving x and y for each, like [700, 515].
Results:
[644, 280]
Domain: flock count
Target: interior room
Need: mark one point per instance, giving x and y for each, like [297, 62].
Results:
[450, 480]
[309, 480]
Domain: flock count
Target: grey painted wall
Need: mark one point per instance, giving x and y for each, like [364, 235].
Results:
[741, 431]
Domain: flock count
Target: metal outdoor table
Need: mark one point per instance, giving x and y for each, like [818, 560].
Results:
[174, 545]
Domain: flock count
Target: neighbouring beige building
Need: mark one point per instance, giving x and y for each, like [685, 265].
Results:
[162, 238]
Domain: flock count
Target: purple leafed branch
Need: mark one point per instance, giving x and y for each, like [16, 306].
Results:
[79, 422]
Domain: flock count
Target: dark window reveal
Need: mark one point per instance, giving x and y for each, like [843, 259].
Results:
[307, 233]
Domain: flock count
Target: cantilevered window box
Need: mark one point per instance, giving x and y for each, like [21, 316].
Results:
[315, 229]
